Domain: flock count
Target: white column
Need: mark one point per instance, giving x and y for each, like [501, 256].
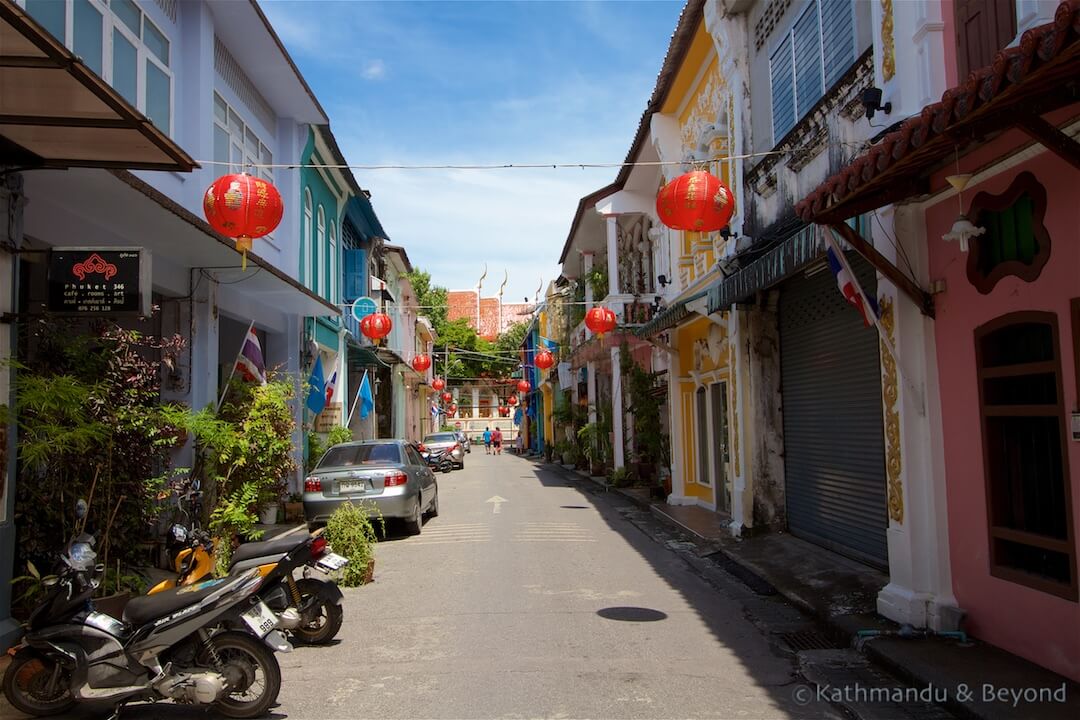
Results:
[590, 369]
[476, 402]
[612, 222]
[204, 346]
[587, 259]
[920, 578]
[617, 406]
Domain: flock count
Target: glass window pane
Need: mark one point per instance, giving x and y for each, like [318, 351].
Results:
[237, 158]
[125, 67]
[251, 143]
[156, 42]
[87, 35]
[158, 98]
[51, 14]
[128, 13]
[267, 156]
[221, 144]
[236, 125]
[221, 110]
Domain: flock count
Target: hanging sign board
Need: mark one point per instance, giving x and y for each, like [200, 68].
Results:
[99, 281]
[364, 306]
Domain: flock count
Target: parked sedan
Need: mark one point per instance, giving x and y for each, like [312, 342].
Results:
[463, 438]
[387, 474]
[447, 441]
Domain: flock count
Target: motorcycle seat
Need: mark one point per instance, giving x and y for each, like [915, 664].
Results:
[269, 548]
[145, 608]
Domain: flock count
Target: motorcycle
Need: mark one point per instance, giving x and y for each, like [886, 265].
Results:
[308, 609]
[437, 460]
[210, 643]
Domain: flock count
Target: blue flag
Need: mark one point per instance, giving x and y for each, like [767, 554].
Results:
[316, 399]
[367, 400]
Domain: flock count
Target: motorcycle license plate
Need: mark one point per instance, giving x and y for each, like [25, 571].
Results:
[331, 562]
[260, 619]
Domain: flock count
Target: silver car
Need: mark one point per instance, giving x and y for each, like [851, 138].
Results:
[447, 442]
[387, 474]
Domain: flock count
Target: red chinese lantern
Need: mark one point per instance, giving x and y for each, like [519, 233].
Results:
[504, 411]
[512, 400]
[243, 207]
[438, 384]
[544, 360]
[452, 410]
[600, 320]
[376, 326]
[523, 386]
[697, 201]
[447, 397]
[421, 362]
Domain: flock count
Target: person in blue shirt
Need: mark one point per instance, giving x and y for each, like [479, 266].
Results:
[487, 441]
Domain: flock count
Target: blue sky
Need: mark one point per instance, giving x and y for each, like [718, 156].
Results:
[479, 82]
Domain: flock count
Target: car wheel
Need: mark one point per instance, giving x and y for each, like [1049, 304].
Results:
[415, 523]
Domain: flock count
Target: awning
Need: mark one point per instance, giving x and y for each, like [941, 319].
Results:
[1015, 91]
[800, 249]
[176, 237]
[669, 317]
[362, 215]
[57, 113]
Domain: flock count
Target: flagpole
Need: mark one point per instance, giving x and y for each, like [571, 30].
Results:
[232, 371]
[348, 423]
[830, 239]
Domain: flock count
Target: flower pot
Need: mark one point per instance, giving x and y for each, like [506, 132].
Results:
[268, 516]
[369, 573]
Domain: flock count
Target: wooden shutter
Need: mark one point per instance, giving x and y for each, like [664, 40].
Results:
[808, 85]
[983, 27]
[355, 267]
[783, 89]
[838, 38]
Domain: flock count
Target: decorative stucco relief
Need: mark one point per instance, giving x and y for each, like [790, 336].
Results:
[888, 47]
[890, 393]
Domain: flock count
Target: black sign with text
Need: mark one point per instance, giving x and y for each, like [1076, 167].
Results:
[95, 281]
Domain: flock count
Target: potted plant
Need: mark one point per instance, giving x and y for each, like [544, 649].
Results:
[294, 507]
[350, 531]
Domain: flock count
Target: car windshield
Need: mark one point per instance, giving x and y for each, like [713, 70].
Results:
[349, 455]
[440, 438]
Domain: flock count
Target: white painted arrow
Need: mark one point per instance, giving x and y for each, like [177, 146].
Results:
[498, 502]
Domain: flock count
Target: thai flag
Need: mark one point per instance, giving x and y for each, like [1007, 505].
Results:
[249, 363]
[331, 386]
[849, 288]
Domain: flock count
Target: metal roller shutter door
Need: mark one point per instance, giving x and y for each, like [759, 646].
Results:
[834, 448]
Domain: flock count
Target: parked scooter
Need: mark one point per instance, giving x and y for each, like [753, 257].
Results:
[210, 643]
[308, 609]
[437, 460]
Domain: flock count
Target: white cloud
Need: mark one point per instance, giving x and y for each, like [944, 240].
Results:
[374, 69]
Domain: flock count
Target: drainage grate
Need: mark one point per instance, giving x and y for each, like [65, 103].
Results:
[758, 584]
[809, 640]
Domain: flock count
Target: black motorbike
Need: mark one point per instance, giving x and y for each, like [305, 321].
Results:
[205, 644]
[437, 459]
[308, 608]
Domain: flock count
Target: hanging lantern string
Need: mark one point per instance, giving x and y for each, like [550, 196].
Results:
[500, 166]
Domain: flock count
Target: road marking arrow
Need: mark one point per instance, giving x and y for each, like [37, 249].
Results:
[498, 502]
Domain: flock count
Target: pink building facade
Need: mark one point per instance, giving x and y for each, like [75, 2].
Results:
[976, 199]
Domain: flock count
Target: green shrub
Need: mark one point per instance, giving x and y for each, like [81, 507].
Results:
[352, 533]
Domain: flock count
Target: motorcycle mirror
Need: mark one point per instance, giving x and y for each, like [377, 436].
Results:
[81, 509]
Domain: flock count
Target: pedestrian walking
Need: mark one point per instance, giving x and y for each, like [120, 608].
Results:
[487, 441]
[496, 441]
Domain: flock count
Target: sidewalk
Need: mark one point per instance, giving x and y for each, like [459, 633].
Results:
[842, 594]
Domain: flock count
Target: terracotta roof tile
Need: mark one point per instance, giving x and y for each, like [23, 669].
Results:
[1009, 69]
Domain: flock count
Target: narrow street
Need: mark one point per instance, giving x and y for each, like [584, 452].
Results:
[547, 604]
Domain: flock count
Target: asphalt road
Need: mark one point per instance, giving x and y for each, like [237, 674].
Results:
[534, 596]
